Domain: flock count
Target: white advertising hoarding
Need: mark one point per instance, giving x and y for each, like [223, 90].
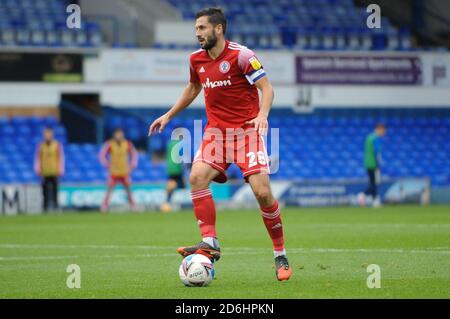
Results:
[145, 66]
[436, 69]
[169, 66]
[155, 78]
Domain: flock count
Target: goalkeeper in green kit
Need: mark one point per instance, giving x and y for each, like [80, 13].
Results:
[174, 171]
[372, 163]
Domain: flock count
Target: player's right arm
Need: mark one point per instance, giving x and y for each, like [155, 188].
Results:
[102, 155]
[189, 94]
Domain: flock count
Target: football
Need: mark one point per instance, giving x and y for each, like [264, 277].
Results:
[196, 271]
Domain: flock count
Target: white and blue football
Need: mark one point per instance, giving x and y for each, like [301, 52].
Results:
[196, 271]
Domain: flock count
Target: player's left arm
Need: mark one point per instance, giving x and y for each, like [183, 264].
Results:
[267, 94]
[62, 160]
[134, 156]
[37, 161]
[377, 149]
[254, 72]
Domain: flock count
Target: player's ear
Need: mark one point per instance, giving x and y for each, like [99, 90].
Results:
[219, 27]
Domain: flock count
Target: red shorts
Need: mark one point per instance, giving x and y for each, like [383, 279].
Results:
[114, 180]
[247, 150]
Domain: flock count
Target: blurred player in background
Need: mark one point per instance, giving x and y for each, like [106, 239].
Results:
[123, 159]
[174, 171]
[372, 163]
[231, 75]
[49, 164]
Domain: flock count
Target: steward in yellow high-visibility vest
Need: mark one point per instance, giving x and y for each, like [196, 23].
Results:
[49, 164]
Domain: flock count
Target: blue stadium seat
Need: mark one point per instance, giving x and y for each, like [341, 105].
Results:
[332, 25]
[42, 23]
[311, 147]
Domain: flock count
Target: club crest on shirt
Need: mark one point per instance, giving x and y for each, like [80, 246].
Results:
[255, 63]
[224, 66]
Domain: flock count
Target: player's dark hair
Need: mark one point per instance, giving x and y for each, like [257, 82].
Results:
[215, 16]
[118, 129]
[381, 126]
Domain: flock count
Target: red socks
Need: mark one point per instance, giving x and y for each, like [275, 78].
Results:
[205, 212]
[272, 220]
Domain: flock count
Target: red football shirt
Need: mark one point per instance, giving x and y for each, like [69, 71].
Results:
[231, 97]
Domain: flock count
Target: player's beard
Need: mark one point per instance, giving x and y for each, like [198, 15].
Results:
[210, 42]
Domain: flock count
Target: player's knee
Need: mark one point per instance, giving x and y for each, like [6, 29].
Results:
[263, 195]
[197, 180]
[171, 185]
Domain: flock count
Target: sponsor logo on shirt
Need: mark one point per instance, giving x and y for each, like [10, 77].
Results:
[212, 84]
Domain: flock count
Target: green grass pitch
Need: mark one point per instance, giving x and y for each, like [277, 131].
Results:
[133, 255]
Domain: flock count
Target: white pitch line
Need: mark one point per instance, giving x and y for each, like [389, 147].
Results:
[172, 247]
[64, 246]
[255, 252]
[313, 225]
[227, 250]
[367, 250]
[292, 249]
[36, 257]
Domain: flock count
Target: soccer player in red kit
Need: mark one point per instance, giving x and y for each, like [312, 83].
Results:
[230, 75]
